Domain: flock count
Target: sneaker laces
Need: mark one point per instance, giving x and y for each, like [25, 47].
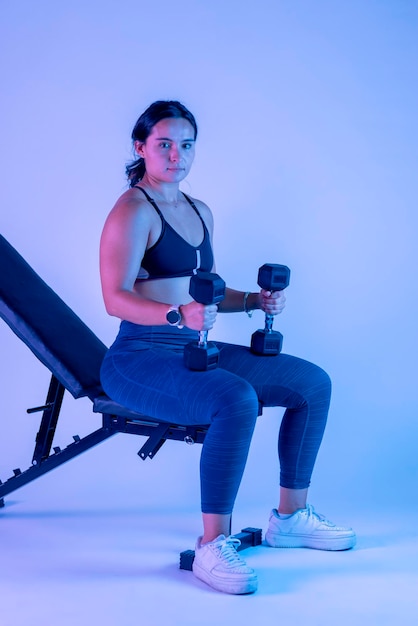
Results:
[227, 551]
[321, 518]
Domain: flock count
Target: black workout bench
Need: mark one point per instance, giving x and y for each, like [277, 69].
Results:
[73, 354]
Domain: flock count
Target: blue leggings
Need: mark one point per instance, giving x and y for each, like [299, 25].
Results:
[144, 371]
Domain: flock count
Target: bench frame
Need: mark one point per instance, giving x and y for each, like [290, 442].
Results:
[73, 354]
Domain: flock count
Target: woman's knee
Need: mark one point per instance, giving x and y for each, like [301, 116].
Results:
[238, 401]
[322, 379]
[313, 384]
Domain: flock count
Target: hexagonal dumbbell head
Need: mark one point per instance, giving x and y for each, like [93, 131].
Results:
[207, 288]
[273, 277]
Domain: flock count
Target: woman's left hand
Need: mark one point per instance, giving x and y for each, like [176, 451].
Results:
[272, 302]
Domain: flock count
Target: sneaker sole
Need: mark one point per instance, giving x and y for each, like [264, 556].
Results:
[233, 586]
[301, 541]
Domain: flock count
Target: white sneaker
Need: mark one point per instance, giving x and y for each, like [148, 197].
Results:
[218, 564]
[307, 529]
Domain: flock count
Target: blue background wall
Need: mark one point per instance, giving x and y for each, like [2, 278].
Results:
[307, 155]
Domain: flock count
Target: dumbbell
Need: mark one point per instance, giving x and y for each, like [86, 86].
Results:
[268, 342]
[206, 288]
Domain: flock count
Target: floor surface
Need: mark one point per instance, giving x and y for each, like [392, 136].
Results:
[79, 552]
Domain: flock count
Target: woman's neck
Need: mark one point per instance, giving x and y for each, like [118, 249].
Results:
[165, 192]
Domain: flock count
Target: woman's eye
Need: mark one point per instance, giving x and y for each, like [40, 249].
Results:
[187, 146]
[164, 144]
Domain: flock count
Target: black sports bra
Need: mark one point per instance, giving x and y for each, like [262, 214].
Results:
[171, 256]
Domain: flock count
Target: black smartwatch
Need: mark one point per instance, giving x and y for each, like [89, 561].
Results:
[173, 316]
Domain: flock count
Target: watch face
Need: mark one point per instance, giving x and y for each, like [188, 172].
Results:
[173, 317]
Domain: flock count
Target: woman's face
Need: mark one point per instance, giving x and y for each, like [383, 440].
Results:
[168, 150]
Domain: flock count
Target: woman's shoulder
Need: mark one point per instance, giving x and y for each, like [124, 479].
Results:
[132, 203]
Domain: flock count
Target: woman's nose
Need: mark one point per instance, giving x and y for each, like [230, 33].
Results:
[174, 154]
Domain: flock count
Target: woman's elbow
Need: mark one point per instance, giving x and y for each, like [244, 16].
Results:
[112, 305]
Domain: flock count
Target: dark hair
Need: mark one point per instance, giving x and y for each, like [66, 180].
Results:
[157, 111]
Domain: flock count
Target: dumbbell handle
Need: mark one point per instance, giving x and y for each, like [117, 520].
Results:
[206, 288]
[206, 295]
[268, 323]
[271, 277]
[203, 338]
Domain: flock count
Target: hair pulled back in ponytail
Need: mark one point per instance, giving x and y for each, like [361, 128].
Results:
[135, 171]
[157, 111]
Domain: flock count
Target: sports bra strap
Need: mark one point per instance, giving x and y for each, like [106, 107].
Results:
[151, 200]
[154, 204]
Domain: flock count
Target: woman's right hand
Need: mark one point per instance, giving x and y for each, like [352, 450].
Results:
[198, 316]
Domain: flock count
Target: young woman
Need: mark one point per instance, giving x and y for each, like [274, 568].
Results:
[154, 239]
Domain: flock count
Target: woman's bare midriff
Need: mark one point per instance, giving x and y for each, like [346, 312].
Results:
[168, 290]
